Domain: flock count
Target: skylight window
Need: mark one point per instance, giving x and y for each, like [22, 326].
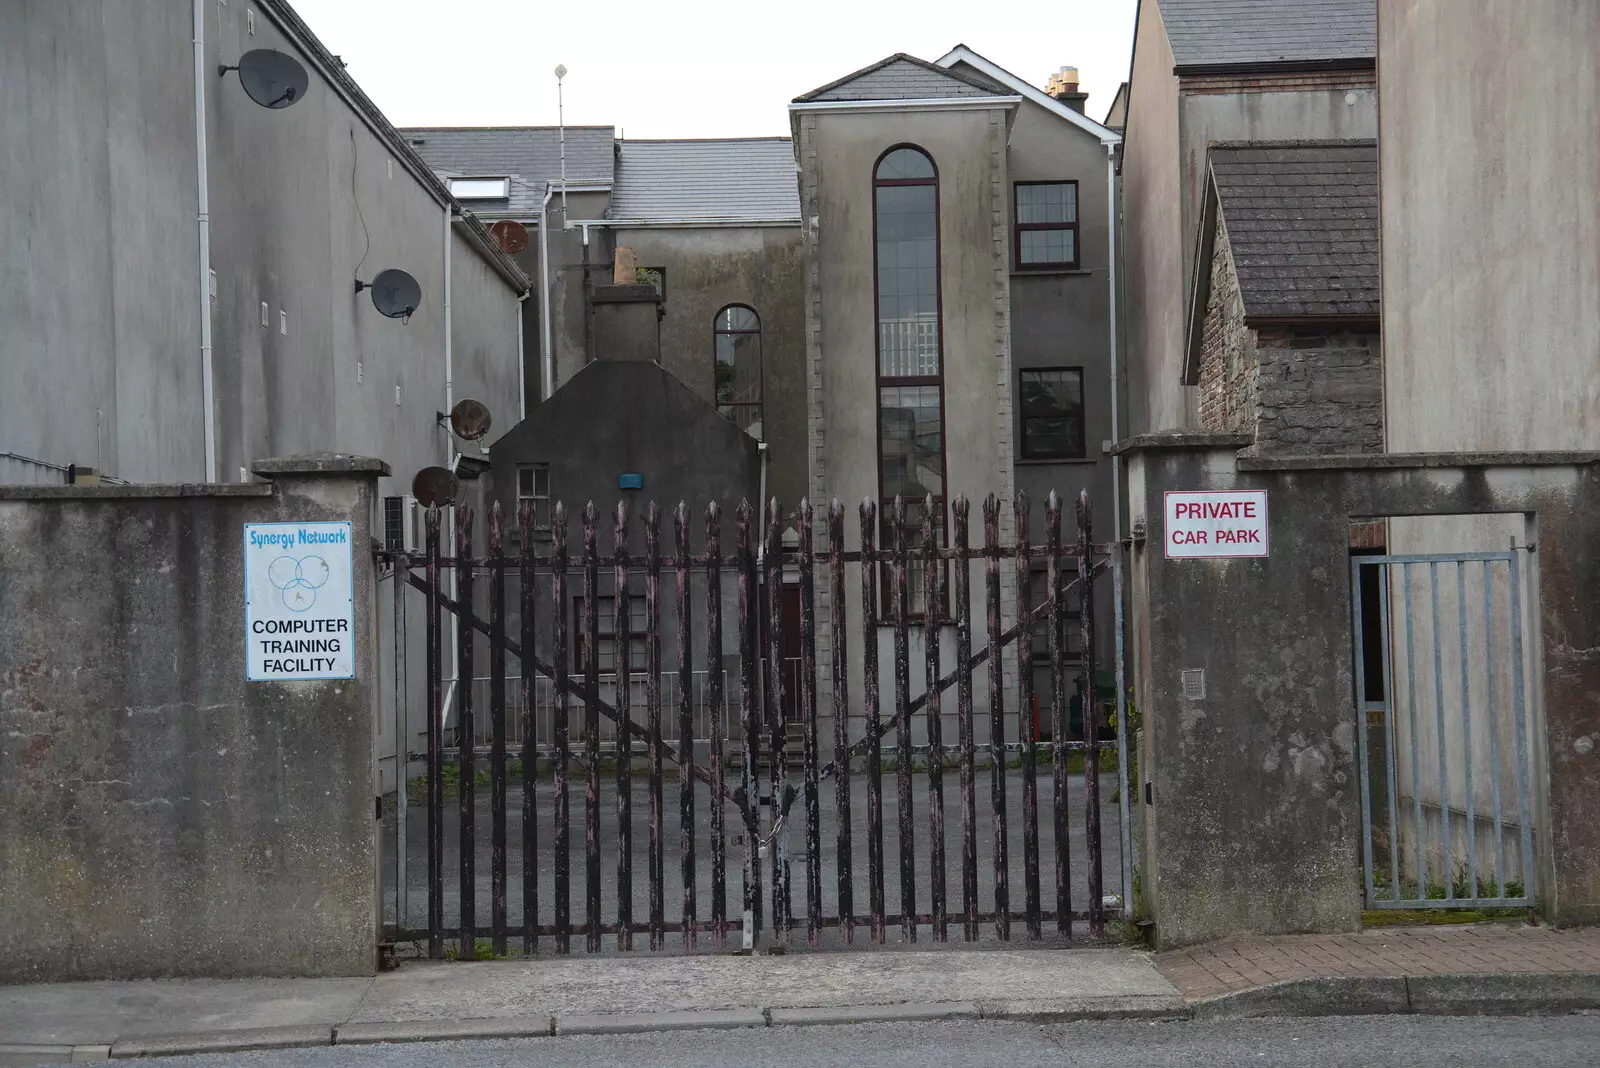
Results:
[480, 188]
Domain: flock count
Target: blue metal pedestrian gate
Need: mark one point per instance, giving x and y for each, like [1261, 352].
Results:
[1443, 726]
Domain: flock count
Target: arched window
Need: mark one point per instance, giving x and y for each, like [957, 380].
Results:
[737, 330]
[910, 341]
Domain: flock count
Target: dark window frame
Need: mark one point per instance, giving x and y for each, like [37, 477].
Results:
[605, 605]
[717, 332]
[1018, 227]
[1082, 453]
[881, 381]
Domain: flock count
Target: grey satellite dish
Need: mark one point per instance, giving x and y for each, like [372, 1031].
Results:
[434, 487]
[394, 293]
[270, 78]
[469, 419]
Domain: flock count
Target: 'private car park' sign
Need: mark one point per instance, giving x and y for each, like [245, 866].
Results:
[299, 605]
[1218, 524]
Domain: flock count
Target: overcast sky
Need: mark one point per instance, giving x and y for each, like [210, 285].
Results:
[687, 68]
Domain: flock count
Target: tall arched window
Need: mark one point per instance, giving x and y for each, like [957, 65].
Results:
[910, 341]
[737, 331]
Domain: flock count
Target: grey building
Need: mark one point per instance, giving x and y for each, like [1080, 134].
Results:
[714, 224]
[1283, 338]
[1207, 71]
[960, 343]
[128, 352]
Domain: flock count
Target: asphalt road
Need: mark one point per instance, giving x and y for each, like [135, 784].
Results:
[1467, 1042]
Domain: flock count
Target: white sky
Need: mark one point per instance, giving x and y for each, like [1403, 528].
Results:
[687, 68]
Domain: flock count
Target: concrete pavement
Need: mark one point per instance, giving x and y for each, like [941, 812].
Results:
[1483, 969]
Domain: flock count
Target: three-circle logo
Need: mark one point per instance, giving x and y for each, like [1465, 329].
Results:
[298, 580]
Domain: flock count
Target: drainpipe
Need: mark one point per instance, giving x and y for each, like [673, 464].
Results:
[449, 355]
[450, 453]
[1117, 579]
[203, 218]
[522, 362]
[546, 350]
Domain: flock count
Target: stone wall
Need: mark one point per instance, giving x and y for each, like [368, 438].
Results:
[1319, 391]
[1294, 389]
[1229, 370]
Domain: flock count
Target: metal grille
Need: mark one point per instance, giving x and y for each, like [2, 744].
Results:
[745, 781]
[1445, 786]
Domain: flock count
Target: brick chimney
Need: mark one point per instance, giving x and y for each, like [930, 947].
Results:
[1063, 85]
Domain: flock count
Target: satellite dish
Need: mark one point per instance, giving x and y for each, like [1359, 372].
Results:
[394, 293]
[512, 235]
[271, 78]
[469, 419]
[434, 486]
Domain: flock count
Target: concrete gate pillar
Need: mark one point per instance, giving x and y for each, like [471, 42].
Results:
[161, 815]
[1243, 675]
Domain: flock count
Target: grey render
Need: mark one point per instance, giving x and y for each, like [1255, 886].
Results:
[101, 283]
[982, 134]
[163, 816]
[1491, 330]
[1205, 73]
[1253, 820]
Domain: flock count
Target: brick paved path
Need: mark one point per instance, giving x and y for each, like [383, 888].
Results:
[1488, 948]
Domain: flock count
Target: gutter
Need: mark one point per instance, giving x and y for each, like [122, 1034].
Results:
[1279, 66]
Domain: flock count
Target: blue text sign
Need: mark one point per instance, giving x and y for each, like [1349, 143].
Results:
[299, 602]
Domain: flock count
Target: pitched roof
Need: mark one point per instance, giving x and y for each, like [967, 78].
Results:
[989, 72]
[901, 77]
[1302, 223]
[731, 180]
[530, 154]
[1249, 32]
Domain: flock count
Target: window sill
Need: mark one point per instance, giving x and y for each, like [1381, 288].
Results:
[1049, 272]
[1050, 463]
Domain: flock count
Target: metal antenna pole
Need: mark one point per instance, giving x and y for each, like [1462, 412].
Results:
[561, 127]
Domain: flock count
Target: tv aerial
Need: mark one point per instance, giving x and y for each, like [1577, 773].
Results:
[469, 419]
[270, 78]
[394, 293]
[511, 235]
[434, 487]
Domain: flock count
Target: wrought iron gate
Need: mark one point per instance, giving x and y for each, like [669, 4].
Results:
[720, 729]
[1446, 794]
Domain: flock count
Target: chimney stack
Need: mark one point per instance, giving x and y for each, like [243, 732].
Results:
[1063, 86]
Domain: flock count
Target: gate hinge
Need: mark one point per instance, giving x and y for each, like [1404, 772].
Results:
[1139, 534]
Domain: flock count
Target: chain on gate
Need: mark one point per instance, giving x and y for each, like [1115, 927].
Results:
[762, 811]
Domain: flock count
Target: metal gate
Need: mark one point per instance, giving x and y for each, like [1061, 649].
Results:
[1446, 794]
[571, 703]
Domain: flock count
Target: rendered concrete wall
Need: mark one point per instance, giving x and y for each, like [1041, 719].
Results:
[162, 816]
[100, 293]
[763, 267]
[1491, 327]
[1153, 235]
[1253, 820]
[837, 153]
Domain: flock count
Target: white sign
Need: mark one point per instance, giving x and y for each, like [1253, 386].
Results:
[1230, 523]
[299, 603]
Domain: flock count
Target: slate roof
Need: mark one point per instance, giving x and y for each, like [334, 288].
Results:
[1248, 32]
[903, 77]
[731, 180]
[530, 154]
[1302, 224]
